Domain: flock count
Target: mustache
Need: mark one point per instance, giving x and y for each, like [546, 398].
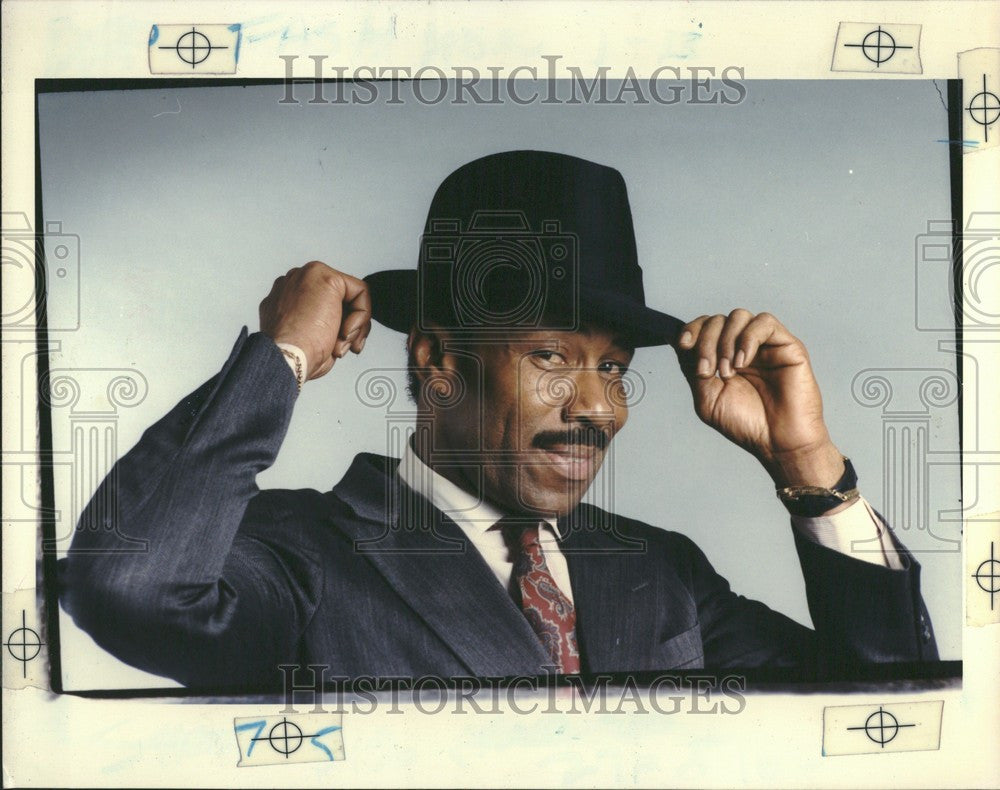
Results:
[589, 436]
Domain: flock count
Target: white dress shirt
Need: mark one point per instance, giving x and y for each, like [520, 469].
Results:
[477, 520]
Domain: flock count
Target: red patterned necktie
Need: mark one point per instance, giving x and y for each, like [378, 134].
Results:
[550, 613]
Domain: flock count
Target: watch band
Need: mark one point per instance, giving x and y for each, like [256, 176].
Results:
[812, 501]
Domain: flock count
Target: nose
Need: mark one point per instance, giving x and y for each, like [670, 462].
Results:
[590, 400]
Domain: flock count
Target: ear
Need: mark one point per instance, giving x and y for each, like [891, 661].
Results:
[427, 355]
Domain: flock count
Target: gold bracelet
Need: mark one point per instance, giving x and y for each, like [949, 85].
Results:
[299, 377]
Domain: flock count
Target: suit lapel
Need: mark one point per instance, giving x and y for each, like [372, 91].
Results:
[426, 558]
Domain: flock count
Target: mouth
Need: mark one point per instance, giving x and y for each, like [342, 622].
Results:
[573, 461]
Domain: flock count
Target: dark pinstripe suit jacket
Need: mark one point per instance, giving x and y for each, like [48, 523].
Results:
[369, 580]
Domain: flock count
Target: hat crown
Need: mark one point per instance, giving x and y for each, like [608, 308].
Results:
[524, 194]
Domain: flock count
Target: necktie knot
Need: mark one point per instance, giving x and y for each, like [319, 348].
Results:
[521, 537]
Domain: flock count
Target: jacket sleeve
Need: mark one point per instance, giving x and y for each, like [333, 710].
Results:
[159, 573]
[862, 613]
[869, 613]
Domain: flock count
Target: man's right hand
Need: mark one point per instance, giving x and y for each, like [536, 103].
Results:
[322, 311]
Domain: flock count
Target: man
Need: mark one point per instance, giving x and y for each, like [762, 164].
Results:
[473, 553]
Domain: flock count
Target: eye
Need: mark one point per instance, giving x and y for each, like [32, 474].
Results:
[613, 367]
[548, 356]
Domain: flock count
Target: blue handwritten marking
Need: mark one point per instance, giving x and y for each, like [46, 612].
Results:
[315, 740]
[253, 739]
[238, 30]
[154, 35]
[967, 143]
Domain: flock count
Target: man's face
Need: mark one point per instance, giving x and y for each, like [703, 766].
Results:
[537, 417]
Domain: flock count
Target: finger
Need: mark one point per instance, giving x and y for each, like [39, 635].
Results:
[358, 345]
[726, 351]
[706, 346]
[357, 295]
[352, 325]
[689, 332]
[686, 353]
[355, 336]
[357, 307]
[763, 329]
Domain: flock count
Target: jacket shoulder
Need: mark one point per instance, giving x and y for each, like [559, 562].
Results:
[631, 529]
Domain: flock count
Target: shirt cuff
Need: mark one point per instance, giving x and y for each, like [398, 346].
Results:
[856, 531]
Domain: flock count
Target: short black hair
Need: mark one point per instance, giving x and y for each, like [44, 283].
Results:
[413, 386]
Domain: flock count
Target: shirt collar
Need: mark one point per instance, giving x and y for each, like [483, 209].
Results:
[467, 510]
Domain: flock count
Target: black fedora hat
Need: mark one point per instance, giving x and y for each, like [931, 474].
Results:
[525, 240]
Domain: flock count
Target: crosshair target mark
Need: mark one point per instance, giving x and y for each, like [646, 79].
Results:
[987, 111]
[24, 644]
[987, 576]
[881, 727]
[873, 44]
[193, 47]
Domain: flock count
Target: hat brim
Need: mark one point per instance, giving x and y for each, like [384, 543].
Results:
[394, 295]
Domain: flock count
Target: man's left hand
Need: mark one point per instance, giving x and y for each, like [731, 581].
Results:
[752, 381]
